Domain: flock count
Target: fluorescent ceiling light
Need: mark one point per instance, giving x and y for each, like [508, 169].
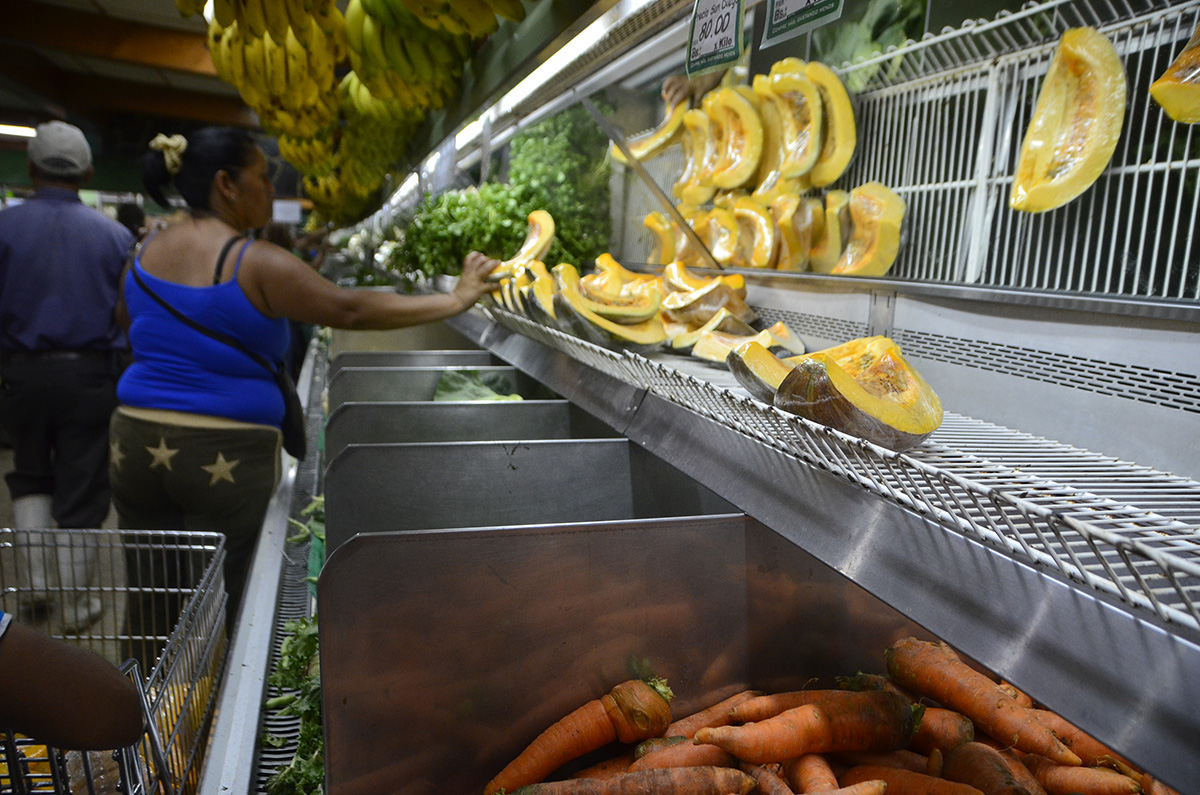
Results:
[17, 131]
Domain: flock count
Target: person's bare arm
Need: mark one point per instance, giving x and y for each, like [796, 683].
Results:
[678, 88]
[64, 696]
[282, 285]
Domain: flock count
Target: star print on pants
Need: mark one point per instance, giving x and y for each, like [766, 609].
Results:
[221, 469]
[162, 454]
[115, 456]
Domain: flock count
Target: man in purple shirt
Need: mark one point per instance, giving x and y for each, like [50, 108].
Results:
[60, 354]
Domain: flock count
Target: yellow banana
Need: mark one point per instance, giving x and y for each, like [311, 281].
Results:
[299, 20]
[224, 12]
[512, 10]
[189, 8]
[381, 11]
[231, 51]
[215, 36]
[275, 60]
[254, 17]
[396, 50]
[354, 26]
[299, 79]
[320, 57]
[476, 16]
[372, 39]
[275, 12]
[421, 60]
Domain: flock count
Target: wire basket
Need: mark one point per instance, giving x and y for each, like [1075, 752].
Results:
[144, 600]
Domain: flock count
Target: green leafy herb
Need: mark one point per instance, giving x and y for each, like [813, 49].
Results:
[473, 385]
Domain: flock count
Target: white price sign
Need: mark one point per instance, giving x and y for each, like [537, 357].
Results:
[787, 19]
[715, 39]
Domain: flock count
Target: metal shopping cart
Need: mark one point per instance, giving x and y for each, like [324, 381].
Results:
[151, 602]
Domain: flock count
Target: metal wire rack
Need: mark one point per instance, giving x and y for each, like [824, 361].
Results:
[1126, 530]
[150, 602]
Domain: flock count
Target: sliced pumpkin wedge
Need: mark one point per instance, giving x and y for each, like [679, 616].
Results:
[758, 236]
[1075, 124]
[663, 230]
[876, 213]
[735, 111]
[574, 313]
[864, 388]
[721, 233]
[693, 188]
[698, 306]
[1177, 92]
[537, 242]
[654, 142]
[802, 113]
[758, 369]
[836, 227]
[839, 132]
[723, 320]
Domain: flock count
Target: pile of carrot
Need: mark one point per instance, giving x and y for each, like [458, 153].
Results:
[933, 725]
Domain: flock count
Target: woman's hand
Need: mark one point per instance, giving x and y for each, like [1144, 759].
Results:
[678, 88]
[473, 282]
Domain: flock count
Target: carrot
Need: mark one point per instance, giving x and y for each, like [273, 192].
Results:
[1070, 779]
[1152, 786]
[1017, 695]
[768, 706]
[861, 681]
[769, 782]
[809, 773]
[905, 782]
[1091, 751]
[875, 721]
[716, 715]
[685, 754]
[655, 743]
[944, 729]
[608, 768]
[935, 763]
[631, 711]
[928, 669]
[667, 781]
[983, 768]
[906, 760]
[872, 787]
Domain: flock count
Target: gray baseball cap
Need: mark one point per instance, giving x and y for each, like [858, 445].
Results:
[60, 150]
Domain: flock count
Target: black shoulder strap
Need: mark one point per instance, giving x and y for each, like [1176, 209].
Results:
[216, 335]
[221, 258]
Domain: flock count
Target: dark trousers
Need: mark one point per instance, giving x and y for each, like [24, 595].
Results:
[55, 410]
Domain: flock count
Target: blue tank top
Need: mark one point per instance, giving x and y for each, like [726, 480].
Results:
[178, 368]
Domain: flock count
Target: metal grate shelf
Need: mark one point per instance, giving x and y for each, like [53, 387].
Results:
[1125, 530]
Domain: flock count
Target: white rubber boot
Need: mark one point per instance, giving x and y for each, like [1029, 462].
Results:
[76, 557]
[32, 512]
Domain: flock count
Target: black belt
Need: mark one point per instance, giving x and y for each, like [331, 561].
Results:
[55, 355]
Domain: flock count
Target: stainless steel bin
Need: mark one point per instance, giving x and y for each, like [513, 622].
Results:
[390, 384]
[444, 653]
[450, 358]
[377, 488]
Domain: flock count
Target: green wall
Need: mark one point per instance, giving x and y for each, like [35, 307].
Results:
[119, 175]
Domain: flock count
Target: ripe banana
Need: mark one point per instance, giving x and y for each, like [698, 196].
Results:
[275, 61]
[397, 53]
[275, 13]
[512, 10]
[255, 66]
[254, 17]
[381, 11]
[299, 20]
[354, 26]
[190, 8]
[373, 55]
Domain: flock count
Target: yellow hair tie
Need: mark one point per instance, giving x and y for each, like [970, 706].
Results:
[172, 148]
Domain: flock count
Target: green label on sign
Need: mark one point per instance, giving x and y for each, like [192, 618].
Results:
[715, 40]
[787, 19]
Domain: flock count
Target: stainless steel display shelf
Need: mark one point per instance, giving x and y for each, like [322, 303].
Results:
[1074, 574]
[1126, 530]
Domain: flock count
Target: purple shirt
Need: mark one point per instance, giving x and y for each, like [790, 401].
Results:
[60, 267]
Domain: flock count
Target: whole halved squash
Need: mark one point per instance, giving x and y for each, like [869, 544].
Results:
[1075, 125]
[836, 227]
[876, 213]
[1178, 90]
[537, 242]
[864, 388]
[654, 142]
[839, 132]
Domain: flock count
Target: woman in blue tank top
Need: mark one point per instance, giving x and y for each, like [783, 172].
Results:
[195, 443]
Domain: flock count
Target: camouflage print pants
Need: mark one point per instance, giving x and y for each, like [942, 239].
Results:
[182, 472]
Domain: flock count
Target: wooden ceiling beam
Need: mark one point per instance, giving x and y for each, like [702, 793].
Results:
[101, 93]
[100, 36]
